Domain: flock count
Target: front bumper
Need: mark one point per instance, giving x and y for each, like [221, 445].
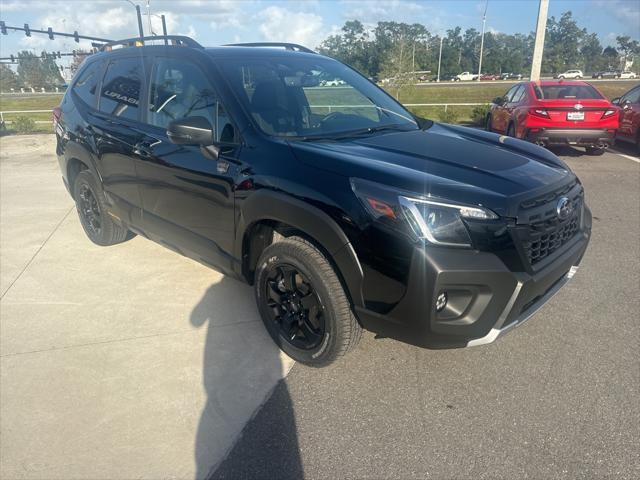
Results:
[485, 298]
[583, 137]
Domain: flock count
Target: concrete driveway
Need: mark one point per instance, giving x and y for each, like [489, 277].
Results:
[120, 362]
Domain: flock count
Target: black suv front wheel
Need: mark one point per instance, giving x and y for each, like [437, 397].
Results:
[302, 303]
[96, 222]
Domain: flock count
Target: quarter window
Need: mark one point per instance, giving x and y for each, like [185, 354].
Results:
[178, 90]
[120, 95]
[86, 84]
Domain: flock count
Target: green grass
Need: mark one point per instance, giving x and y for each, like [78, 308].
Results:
[39, 102]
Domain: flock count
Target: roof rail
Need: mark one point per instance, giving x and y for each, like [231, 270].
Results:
[175, 40]
[294, 47]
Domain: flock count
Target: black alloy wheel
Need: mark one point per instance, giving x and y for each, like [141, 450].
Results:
[89, 211]
[303, 304]
[295, 307]
[93, 212]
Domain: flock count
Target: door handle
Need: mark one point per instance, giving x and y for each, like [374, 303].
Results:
[142, 149]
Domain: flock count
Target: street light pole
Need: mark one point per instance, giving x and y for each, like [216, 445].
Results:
[541, 28]
[149, 16]
[139, 15]
[440, 56]
[484, 22]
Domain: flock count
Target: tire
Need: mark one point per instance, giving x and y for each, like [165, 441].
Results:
[578, 77]
[91, 208]
[561, 77]
[487, 124]
[595, 151]
[318, 341]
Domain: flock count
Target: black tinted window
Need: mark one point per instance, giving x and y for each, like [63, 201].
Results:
[560, 92]
[179, 89]
[120, 94]
[86, 84]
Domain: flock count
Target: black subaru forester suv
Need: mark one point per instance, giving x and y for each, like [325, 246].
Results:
[292, 172]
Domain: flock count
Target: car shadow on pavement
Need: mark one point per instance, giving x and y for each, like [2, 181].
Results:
[241, 367]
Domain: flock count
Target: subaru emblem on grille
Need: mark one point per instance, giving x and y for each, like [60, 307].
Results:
[564, 208]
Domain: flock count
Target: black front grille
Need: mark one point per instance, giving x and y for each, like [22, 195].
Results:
[539, 231]
[544, 238]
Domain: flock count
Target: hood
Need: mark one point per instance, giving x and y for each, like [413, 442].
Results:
[456, 163]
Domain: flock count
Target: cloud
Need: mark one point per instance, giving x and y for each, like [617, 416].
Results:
[278, 24]
[627, 12]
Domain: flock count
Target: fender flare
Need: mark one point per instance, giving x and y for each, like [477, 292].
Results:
[74, 150]
[273, 206]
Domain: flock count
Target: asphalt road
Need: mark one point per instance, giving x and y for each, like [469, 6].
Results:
[556, 398]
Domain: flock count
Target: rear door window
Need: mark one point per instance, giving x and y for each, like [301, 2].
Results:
[518, 94]
[86, 85]
[633, 96]
[510, 93]
[121, 87]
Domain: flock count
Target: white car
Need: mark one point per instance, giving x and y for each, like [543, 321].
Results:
[465, 76]
[627, 75]
[577, 74]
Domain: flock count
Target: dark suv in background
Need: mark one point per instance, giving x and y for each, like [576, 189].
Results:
[342, 209]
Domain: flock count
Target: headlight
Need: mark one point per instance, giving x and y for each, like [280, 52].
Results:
[437, 221]
[441, 223]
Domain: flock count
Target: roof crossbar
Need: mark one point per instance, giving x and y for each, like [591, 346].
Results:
[175, 40]
[287, 46]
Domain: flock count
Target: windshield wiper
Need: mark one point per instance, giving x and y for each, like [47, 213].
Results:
[354, 133]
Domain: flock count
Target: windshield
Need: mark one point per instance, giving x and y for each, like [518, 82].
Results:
[311, 97]
[560, 92]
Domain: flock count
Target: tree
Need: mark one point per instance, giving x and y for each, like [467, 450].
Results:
[628, 49]
[8, 78]
[38, 72]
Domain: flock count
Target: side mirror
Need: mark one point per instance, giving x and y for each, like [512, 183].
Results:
[191, 131]
[616, 101]
[498, 100]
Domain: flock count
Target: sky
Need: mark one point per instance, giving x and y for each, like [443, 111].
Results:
[308, 22]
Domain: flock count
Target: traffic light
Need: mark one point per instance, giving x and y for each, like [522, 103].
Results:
[50, 31]
[76, 37]
[27, 30]
[3, 28]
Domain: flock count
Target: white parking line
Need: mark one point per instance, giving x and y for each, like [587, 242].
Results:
[633, 159]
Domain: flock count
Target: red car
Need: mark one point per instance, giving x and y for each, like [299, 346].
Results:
[629, 104]
[556, 112]
[489, 76]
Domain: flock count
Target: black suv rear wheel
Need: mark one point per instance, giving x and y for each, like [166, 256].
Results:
[302, 303]
[96, 222]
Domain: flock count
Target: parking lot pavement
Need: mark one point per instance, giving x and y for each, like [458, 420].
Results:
[556, 398]
[121, 362]
[131, 361]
